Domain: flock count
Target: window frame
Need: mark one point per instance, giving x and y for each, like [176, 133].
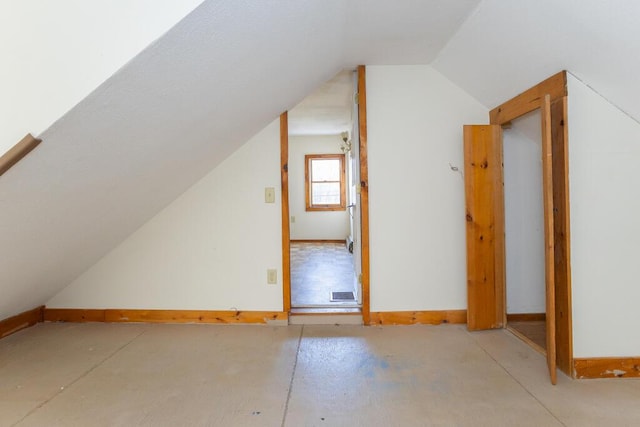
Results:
[308, 158]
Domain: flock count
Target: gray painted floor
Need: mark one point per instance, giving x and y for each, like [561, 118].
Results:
[224, 375]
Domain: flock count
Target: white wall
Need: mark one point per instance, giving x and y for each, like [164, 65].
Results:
[604, 153]
[312, 225]
[524, 215]
[417, 226]
[209, 249]
[56, 53]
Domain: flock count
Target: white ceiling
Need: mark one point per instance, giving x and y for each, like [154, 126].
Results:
[507, 46]
[327, 110]
[230, 67]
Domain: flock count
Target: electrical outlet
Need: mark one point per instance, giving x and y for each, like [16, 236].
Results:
[272, 276]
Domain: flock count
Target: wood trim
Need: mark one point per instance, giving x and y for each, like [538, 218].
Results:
[18, 152]
[74, 315]
[160, 316]
[364, 193]
[417, 317]
[21, 321]
[531, 99]
[607, 367]
[286, 231]
[343, 241]
[549, 238]
[562, 235]
[526, 317]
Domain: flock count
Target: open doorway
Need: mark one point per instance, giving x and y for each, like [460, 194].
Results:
[485, 217]
[524, 230]
[322, 167]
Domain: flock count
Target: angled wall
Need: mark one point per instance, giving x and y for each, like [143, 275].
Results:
[604, 152]
[149, 132]
[210, 248]
[56, 53]
[207, 250]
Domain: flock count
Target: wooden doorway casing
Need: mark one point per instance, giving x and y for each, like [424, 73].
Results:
[550, 96]
[364, 201]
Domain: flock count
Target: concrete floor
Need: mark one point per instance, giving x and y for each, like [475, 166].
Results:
[57, 374]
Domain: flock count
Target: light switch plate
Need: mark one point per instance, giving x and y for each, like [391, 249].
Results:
[269, 195]
[272, 276]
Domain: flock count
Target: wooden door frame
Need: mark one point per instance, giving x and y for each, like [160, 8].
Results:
[555, 87]
[364, 202]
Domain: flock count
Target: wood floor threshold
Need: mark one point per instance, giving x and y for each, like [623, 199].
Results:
[21, 321]
[418, 317]
[606, 367]
[161, 316]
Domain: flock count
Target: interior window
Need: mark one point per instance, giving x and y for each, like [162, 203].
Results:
[325, 182]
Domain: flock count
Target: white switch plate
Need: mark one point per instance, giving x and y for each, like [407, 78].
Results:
[269, 195]
[293, 219]
[272, 276]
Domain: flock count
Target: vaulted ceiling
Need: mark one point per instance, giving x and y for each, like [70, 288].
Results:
[231, 67]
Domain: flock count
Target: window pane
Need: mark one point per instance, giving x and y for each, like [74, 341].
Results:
[327, 193]
[325, 170]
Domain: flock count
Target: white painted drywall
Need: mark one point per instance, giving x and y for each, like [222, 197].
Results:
[495, 56]
[56, 53]
[152, 130]
[604, 153]
[332, 225]
[524, 215]
[417, 225]
[209, 249]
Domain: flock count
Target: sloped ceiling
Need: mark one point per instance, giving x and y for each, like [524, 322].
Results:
[171, 115]
[505, 47]
[327, 110]
[230, 67]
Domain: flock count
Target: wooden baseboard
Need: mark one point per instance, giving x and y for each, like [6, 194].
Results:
[607, 367]
[161, 316]
[21, 321]
[418, 317]
[343, 241]
[526, 317]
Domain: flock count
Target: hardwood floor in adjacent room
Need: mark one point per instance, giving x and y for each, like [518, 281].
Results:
[531, 331]
[317, 269]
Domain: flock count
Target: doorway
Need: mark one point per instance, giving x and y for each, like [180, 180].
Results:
[524, 230]
[324, 200]
[485, 216]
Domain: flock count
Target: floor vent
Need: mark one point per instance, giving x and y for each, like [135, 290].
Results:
[342, 296]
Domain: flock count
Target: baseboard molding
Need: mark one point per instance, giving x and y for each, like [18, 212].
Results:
[21, 321]
[162, 316]
[607, 367]
[343, 241]
[418, 317]
[526, 317]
